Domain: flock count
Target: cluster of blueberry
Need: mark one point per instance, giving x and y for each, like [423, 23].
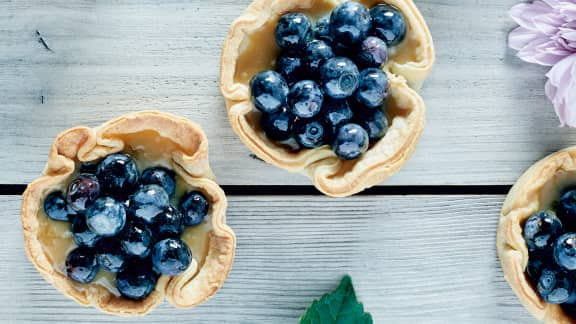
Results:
[551, 240]
[328, 87]
[124, 223]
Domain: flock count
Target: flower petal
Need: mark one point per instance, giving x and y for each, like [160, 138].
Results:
[520, 37]
[524, 13]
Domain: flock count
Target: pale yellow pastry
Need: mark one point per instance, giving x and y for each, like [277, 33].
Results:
[250, 48]
[536, 190]
[153, 139]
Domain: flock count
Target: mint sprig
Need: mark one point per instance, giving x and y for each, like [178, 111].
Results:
[337, 307]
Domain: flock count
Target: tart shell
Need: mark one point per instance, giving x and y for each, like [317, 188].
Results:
[330, 175]
[190, 162]
[527, 197]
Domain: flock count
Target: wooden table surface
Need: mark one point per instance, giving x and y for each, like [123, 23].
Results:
[414, 259]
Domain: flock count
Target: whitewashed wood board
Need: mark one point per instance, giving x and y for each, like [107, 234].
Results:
[413, 260]
[488, 118]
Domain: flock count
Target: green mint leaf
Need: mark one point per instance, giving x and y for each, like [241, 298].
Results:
[337, 307]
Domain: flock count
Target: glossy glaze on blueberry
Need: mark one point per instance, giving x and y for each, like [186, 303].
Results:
[293, 32]
[305, 98]
[169, 223]
[311, 133]
[194, 207]
[374, 122]
[82, 192]
[317, 52]
[351, 142]
[291, 67]
[555, 286]
[336, 112]
[349, 24]
[339, 77]
[372, 54]
[82, 235]
[149, 201]
[277, 126]
[322, 29]
[541, 230]
[388, 24]
[160, 176]
[137, 281]
[81, 265]
[171, 257]
[372, 88]
[56, 207]
[137, 240]
[106, 217]
[110, 255]
[565, 251]
[269, 92]
[118, 175]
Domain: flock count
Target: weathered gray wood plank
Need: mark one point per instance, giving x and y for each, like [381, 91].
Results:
[488, 118]
[413, 260]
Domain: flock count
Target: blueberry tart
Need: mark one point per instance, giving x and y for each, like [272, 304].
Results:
[127, 214]
[536, 239]
[327, 88]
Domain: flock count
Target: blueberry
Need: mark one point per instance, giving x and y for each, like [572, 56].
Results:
[106, 217]
[118, 175]
[194, 207]
[277, 126]
[137, 240]
[350, 22]
[322, 29]
[336, 112]
[537, 261]
[159, 176]
[373, 53]
[149, 201]
[110, 255]
[317, 52]
[541, 230]
[171, 257]
[137, 281]
[56, 207]
[81, 265]
[305, 99]
[373, 88]
[554, 286]
[269, 91]
[567, 209]
[311, 133]
[351, 142]
[565, 251]
[82, 192]
[82, 235]
[169, 223]
[375, 123]
[339, 77]
[293, 32]
[292, 68]
[89, 167]
[388, 24]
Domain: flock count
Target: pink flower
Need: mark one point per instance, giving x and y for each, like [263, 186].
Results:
[561, 89]
[547, 36]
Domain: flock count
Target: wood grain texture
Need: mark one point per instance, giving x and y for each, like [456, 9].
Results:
[66, 63]
[413, 260]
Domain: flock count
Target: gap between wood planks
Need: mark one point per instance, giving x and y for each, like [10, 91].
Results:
[18, 189]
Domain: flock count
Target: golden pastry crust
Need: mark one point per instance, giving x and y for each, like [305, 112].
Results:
[189, 159]
[526, 198]
[407, 69]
